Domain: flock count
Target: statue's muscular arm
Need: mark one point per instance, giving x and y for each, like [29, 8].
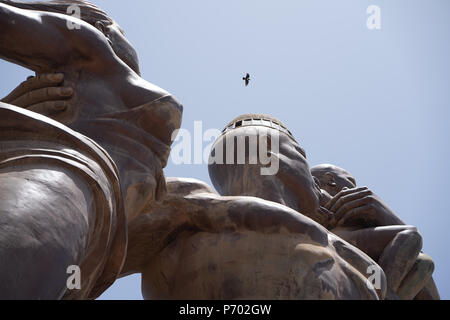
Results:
[43, 42]
[192, 210]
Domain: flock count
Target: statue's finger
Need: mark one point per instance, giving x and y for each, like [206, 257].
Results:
[333, 200]
[356, 194]
[41, 95]
[49, 107]
[33, 83]
[340, 194]
[43, 80]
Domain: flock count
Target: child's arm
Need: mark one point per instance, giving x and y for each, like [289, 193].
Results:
[361, 207]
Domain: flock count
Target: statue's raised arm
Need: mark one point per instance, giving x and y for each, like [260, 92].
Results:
[45, 41]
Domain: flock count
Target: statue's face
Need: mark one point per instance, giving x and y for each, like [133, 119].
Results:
[122, 47]
[343, 179]
[333, 179]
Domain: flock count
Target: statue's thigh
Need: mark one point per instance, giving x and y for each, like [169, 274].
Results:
[373, 241]
[44, 214]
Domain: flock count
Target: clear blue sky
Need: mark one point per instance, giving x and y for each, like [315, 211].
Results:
[375, 102]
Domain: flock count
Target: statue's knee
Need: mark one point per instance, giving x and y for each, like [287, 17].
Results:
[425, 264]
[412, 238]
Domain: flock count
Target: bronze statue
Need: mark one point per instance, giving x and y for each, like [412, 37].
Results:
[83, 145]
[80, 191]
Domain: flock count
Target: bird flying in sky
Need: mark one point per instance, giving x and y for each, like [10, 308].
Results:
[246, 79]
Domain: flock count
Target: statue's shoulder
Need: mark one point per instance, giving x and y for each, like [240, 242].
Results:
[187, 186]
[18, 124]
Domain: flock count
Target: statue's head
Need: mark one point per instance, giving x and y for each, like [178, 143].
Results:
[96, 17]
[251, 143]
[332, 178]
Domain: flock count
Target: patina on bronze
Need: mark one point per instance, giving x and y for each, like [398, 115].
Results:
[87, 169]
[131, 122]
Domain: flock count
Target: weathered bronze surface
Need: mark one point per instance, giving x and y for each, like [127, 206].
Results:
[83, 145]
[130, 120]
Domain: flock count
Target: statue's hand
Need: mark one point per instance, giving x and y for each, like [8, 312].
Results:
[327, 218]
[43, 94]
[361, 207]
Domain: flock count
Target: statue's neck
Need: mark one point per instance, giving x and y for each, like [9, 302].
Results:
[278, 193]
[99, 94]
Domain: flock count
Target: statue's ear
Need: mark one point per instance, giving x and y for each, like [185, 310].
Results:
[101, 26]
[329, 179]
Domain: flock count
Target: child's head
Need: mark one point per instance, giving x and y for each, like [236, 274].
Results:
[332, 178]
